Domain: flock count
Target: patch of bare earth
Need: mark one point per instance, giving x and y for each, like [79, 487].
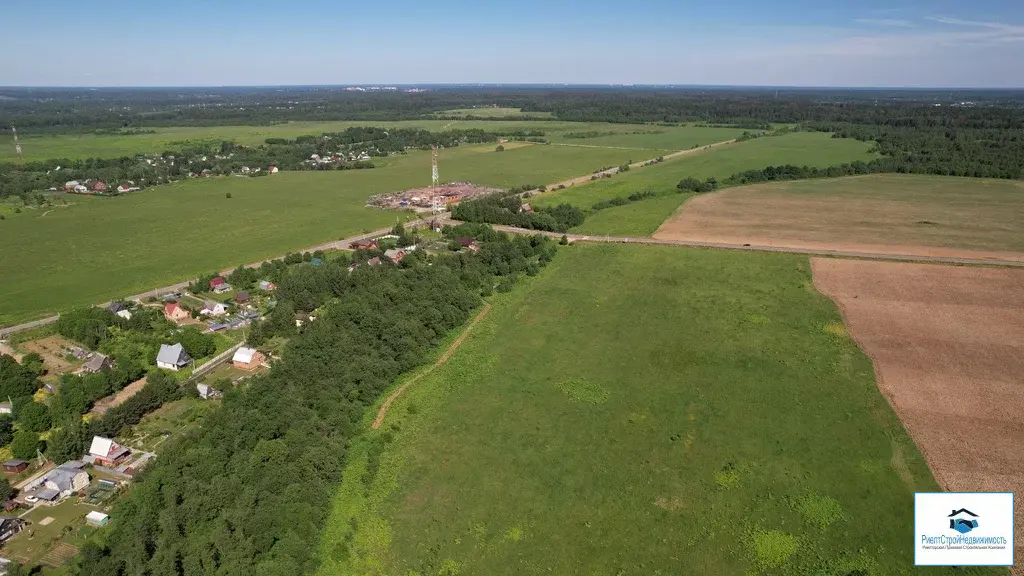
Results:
[122, 396]
[948, 348]
[773, 214]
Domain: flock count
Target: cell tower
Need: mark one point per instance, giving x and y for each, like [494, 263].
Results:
[434, 178]
[17, 145]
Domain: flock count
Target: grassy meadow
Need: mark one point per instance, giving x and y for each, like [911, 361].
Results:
[72, 146]
[800, 148]
[101, 248]
[639, 410]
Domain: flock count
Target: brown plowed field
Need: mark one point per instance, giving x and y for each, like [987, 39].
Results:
[948, 348]
[877, 214]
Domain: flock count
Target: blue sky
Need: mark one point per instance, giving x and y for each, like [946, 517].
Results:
[739, 42]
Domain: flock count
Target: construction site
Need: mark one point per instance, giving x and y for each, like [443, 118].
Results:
[434, 199]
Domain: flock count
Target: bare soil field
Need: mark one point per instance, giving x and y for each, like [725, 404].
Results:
[52, 350]
[948, 348]
[879, 214]
[115, 400]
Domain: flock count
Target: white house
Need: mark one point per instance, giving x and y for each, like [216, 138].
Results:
[124, 314]
[172, 357]
[106, 452]
[211, 308]
[67, 479]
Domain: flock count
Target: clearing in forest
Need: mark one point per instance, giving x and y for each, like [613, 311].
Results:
[883, 213]
[948, 347]
[639, 410]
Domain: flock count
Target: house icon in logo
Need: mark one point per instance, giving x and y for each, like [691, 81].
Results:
[963, 520]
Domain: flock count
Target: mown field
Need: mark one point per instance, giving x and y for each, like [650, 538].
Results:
[72, 146]
[896, 210]
[800, 148]
[639, 410]
[101, 248]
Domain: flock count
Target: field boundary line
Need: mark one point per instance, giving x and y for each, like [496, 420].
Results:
[452, 348]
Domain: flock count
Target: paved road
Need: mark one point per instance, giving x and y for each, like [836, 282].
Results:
[763, 248]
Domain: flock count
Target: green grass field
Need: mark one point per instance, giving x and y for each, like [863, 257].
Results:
[42, 147]
[653, 137]
[640, 410]
[800, 148]
[639, 219]
[101, 248]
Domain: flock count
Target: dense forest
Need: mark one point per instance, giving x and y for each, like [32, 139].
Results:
[248, 493]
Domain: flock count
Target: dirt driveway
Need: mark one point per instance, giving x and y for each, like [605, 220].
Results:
[948, 348]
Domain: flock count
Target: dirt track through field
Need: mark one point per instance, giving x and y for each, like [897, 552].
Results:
[440, 362]
[948, 347]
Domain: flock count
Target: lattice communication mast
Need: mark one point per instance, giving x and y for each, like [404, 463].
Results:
[434, 177]
[436, 206]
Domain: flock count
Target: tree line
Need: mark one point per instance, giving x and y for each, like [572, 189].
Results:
[249, 491]
[507, 208]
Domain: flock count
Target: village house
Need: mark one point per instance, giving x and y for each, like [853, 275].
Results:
[219, 285]
[172, 357]
[70, 185]
[67, 478]
[211, 308]
[175, 313]
[241, 297]
[206, 392]
[99, 186]
[81, 189]
[526, 208]
[267, 286]
[120, 310]
[363, 244]
[106, 452]
[247, 358]
[15, 466]
[395, 254]
[9, 527]
[469, 244]
[273, 169]
[96, 363]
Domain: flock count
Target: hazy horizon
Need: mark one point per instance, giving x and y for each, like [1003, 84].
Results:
[793, 43]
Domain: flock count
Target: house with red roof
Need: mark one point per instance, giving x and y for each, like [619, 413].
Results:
[175, 313]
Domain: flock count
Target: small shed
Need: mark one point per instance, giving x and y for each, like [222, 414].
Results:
[15, 466]
[97, 519]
